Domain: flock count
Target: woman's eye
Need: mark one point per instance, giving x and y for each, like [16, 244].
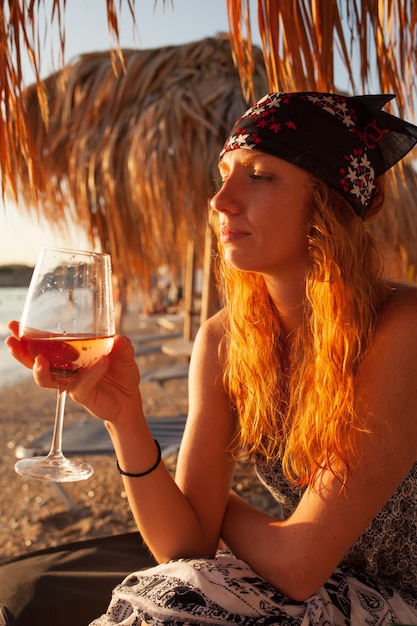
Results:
[256, 176]
[218, 184]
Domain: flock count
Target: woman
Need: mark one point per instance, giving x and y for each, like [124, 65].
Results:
[310, 368]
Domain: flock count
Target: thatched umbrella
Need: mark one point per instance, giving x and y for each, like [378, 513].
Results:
[131, 155]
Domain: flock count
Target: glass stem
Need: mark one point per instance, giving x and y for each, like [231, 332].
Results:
[56, 447]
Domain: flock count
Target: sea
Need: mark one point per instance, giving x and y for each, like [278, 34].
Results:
[12, 300]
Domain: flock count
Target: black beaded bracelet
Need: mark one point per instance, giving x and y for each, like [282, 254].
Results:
[149, 471]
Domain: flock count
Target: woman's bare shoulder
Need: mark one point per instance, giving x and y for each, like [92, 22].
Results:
[393, 348]
[387, 377]
[213, 329]
[400, 307]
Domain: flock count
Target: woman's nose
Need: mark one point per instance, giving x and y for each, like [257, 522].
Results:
[226, 200]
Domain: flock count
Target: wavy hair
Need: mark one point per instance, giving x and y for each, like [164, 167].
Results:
[295, 397]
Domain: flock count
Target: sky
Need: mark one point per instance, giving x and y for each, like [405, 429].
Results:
[86, 30]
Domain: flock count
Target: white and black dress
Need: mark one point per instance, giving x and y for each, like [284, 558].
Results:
[374, 585]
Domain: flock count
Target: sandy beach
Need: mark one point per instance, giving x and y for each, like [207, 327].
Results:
[33, 515]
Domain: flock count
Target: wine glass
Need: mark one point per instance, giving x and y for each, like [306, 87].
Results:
[68, 318]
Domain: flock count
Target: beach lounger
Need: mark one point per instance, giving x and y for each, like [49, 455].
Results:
[152, 344]
[89, 437]
[164, 374]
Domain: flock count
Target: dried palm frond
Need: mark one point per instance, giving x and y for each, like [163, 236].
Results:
[132, 155]
[21, 25]
[307, 43]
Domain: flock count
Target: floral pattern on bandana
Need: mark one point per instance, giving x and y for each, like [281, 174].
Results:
[263, 113]
[359, 177]
[335, 105]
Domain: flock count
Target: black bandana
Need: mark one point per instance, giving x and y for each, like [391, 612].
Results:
[345, 141]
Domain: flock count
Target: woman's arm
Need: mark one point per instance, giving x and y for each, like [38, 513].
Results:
[184, 519]
[299, 554]
[175, 521]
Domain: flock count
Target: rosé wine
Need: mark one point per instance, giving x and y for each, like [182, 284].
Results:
[66, 354]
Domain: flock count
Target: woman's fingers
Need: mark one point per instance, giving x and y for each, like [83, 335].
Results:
[42, 373]
[18, 352]
[123, 370]
[87, 381]
[13, 326]
[111, 384]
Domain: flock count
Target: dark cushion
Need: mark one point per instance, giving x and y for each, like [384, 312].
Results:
[69, 585]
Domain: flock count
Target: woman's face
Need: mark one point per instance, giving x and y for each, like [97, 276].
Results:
[264, 208]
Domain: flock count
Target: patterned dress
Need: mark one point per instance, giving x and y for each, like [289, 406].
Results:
[374, 585]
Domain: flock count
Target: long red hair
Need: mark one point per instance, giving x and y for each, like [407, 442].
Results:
[295, 400]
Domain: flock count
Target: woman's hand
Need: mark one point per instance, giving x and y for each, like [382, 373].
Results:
[108, 389]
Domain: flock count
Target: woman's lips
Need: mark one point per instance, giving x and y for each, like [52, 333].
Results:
[229, 235]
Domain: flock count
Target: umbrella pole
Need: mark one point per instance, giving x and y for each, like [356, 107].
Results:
[189, 290]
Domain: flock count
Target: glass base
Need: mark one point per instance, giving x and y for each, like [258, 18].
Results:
[57, 469]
